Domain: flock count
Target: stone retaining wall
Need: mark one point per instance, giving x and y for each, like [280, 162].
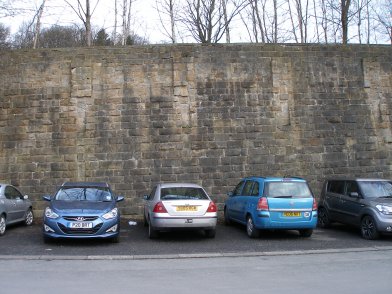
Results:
[134, 116]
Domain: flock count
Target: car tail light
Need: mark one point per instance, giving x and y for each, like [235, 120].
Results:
[212, 207]
[262, 204]
[314, 205]
[159, 208]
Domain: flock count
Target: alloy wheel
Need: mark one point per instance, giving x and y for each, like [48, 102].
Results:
[368, 228]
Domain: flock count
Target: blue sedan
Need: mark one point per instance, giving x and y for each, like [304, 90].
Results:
[82, 210]
[272, 203]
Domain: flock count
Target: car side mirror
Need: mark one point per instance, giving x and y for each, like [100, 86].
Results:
[145, 197]
[47, 198]
[230, 194]
[354, 194]
[120, 198]
[25, 197]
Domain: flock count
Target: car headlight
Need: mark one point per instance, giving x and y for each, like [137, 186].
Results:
[384, 209]
[49, 213]
[111, 214]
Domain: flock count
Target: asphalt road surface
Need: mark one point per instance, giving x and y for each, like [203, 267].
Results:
[230, 240]
[321, 273]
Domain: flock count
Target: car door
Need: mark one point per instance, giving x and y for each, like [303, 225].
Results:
[247, 201]
[333, 194]
[17, 205]
[350, 203]
[233, 203]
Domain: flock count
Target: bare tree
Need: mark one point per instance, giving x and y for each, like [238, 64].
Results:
[205, 19]
[4, 36]
[384, 17]
[84, 13]
[168, 9]
[300, 19]
[37, 28]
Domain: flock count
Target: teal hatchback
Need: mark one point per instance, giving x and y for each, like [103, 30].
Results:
[267, 203]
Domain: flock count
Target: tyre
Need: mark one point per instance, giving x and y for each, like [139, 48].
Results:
[152, 233]
[250, 228]
[226, 217]
[210, 233]
[29, 218]
[369, 228]
[145, 222]
[116, 239]
[323, 220]
[3, 225]
[306, 233]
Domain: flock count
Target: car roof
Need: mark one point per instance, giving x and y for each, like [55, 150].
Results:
[86, 184]
[171, 185]
[277, 179]
[358, 179]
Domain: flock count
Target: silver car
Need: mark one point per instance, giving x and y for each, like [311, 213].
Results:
[14, 207]
[179, 206]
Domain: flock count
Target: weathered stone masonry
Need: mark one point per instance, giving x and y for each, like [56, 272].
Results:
[134, 116]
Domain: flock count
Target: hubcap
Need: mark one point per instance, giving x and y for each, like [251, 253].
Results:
[2, 225]
[29, 218]
[249, 227]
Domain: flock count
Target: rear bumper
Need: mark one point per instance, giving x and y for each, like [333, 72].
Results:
[264, 221]
[162, 223]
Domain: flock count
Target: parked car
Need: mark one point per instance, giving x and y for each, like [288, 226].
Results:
[82, 210]
[179, 206]
[365, 203]
[14, 207]
[263, 203]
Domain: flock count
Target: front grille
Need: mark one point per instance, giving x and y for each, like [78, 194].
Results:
[77, 218]
[70, 231]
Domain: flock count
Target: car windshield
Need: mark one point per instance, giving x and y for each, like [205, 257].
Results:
[84, 194]
[181, 193]
[287, 190]
[375, 189]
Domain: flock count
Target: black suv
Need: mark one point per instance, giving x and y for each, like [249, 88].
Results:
[366, 203]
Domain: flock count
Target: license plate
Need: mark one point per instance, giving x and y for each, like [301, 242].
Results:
[81, 225]
[292, 213]
[186, 208]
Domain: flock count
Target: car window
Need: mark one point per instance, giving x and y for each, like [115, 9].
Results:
[287, 189]
[256, 190]
[247, 188]
[152, 194]
[372, 189]
[336, 187]
[351, 187]
[84, 194]
[12, 193]
[238, 189]
[181, 193]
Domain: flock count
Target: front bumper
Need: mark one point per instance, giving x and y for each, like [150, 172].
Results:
[101, 229]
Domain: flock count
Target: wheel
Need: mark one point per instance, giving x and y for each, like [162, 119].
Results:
[369, 228]
[250, 228]
[3, 225]
[226, 216]
[152, 233]
[306, 233]
[29, 218]
[323, 220]
[145, 222]
[116, 239]
[210, 233]
[47, 240]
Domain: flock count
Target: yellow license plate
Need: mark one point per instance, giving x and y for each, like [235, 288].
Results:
[291, 213]
[186, 208]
